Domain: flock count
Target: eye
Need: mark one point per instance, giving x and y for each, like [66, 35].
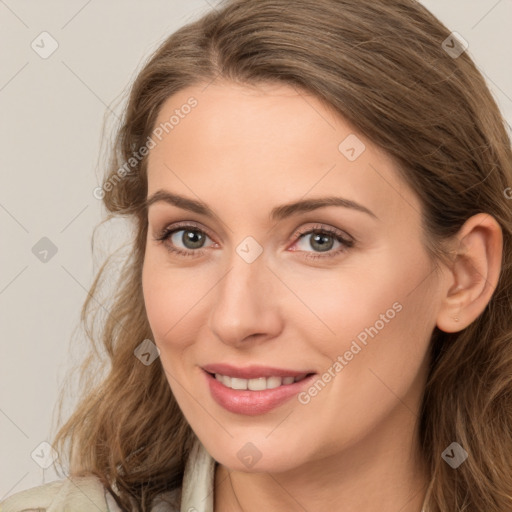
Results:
[190, 236]
[322, 239]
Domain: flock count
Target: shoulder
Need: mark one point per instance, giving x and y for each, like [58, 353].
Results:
[79, 494]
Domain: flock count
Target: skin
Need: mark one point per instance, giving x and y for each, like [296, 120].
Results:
[242, 151]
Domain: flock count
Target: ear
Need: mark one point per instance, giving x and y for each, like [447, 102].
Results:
[474, 273]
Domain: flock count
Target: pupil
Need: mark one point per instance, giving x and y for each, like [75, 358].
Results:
[322, 238]
[189, 236]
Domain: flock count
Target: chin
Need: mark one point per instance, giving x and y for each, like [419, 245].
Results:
[256, 454]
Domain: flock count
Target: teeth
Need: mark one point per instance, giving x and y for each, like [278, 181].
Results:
[238, 383]
[273, 382]
[257, 384]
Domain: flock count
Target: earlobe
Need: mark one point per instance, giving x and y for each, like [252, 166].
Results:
[474, 273]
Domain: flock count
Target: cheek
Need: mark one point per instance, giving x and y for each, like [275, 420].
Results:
[386, 330]
[338, 304]
[173, 299]
[380, 307]
[161, 300]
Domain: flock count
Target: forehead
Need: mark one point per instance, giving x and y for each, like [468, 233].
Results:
[270, 143]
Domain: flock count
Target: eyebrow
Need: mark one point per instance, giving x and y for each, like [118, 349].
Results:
[277, 213]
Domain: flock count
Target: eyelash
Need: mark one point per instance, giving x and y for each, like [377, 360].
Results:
[167, 232]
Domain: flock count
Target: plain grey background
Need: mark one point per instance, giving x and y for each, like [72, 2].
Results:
[52, 111]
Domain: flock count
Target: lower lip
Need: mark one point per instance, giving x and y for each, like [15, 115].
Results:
[252, 403]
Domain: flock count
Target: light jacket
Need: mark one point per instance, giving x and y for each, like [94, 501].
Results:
[86, 494]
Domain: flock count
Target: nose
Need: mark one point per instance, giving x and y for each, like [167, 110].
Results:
[246, 303]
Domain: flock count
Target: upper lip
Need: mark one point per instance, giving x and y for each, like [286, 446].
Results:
[252, 372]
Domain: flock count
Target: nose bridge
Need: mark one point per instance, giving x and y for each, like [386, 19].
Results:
[245, 298]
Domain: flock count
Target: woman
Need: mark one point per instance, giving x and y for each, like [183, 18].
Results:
[316, 311]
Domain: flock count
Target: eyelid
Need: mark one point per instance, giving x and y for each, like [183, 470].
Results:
[323, 228]
[175, 226]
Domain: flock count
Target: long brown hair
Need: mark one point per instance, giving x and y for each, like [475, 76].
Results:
[384, 66]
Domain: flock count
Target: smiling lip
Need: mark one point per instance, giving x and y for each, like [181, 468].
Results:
[249, 402]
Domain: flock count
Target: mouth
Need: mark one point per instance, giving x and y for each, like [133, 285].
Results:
[256, 395]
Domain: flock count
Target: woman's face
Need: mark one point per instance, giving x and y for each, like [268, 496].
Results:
[343, 291]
